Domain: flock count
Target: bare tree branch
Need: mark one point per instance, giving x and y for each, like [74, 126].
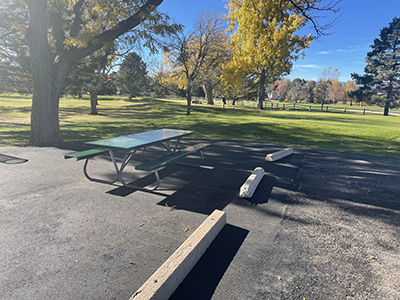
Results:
[310, 11]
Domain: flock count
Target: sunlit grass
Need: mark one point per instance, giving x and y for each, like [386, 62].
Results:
[354, 133]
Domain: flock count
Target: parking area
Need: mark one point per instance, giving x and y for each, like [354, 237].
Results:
[321, 225]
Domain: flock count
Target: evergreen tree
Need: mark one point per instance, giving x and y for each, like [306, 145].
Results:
[132, 75]
[381, 79]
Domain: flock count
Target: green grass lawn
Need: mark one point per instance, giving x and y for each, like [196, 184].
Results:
[353, 133]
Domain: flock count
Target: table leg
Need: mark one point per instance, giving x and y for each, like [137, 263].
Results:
[167, 145]
[142, 187]
[124, 163]
[193, 165]
[98, 179]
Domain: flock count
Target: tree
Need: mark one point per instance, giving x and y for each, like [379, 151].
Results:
[349, 88]
[189, 55]
[211, 70]
[321, 92]
[282, 87]
[322, 89]
[163, 81]
[329, 74]
[311, 84]
[263, 39]
[60, 33]
[132, 75]
[108, 87]
[210, 77]
[298, 91]
[381, 77]
[235, 85]
[335, 91]
[90, 74]
[14, 62]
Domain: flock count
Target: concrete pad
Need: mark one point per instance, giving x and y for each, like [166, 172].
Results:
[279, 154]
[167, 278]
[249, 187]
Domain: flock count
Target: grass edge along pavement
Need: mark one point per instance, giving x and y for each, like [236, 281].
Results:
[375, 135]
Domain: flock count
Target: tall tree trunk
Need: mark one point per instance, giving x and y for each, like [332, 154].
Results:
[93, 101]
[386, 110]
[208, 91]
[261, 89]
[49, 72]
[388, 96]
[188, 98]
[45, 127]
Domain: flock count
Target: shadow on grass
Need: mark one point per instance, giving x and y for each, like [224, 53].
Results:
[11, 110]
[213, 122]
[18, 136]
[16, 96]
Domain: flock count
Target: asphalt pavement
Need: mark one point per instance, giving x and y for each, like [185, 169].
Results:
[321, 225]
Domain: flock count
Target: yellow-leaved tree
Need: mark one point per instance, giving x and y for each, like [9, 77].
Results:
[263, 39]
[196, 57]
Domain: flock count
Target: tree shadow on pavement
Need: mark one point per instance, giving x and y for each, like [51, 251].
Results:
[215, 184]
[352, 179]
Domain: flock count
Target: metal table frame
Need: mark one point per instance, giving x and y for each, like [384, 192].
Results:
[130, 144]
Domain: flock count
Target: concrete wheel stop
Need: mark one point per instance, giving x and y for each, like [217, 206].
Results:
[279, 154]
[166, 279]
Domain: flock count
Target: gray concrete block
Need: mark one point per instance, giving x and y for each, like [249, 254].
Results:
[279, 154]
[166, 279]
[248, 188]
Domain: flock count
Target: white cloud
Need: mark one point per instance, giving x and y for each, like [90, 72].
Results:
[356, 48]
[308, 67]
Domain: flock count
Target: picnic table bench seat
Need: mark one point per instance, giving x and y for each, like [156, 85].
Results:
[86, 154]
[152, 165]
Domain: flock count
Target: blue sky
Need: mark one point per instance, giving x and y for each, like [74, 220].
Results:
[345, 48]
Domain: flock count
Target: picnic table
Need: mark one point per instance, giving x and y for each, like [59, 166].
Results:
[129, 144]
